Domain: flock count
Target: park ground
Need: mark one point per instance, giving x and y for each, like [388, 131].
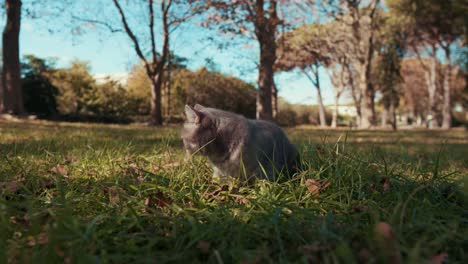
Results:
[83, 193]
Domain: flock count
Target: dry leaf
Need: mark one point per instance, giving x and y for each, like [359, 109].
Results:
[439, 259]
[360, 208]
[364, 255]
[157, 200]
[114, 194]
[242, 200]
[387, 238]
[10, 186]
[40, 239]
[172, 165]
[315, 187]
[204, 246]
[386, 184]
[60, 170]
[215, 193]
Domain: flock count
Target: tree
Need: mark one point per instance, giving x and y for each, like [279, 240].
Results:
[11, 81]
[172, 14]
[308, 49]
[213, 89]
[258, 19]
[341, 80]
[439, 24]
[75, 85]
[357, 23]
[39, 92]
[388, 79]
[139, 85]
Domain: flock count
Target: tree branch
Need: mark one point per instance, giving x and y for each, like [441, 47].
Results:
[134, 39]
[151, 26]
[93, 21]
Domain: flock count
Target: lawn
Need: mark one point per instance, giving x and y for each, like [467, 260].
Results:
[81, 193]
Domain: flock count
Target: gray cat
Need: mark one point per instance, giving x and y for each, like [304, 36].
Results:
[237, 146]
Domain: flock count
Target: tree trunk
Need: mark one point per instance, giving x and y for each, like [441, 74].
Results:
[155, 112]
[432, 89]
[323, 121]
[385, 116]
[367, 100]
[11, 79]
[168, 91]
[447, 106]
[392, 109]
[265, 78]
[274, 100]
[266, 22]
[334, 123]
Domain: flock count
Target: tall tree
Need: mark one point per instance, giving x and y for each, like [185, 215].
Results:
[11, 80]
[357, 23]
[257, 18]
[172, 13]
[340, 79]
[440, 24]
[308, 49]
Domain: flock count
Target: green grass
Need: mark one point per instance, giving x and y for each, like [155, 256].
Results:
[80, 193]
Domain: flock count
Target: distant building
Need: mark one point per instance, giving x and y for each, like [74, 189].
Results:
[120, 78]
[344, 110]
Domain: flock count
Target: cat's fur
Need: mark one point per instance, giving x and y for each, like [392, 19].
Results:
[237, 146]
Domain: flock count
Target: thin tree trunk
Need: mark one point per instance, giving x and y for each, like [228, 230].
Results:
[168, 91]
[367, 100]
[323, 121]
[11, 80]
[316, 82]
[274, 100]
[392, 109]
[385, 116]
[334, 123]
[447, 106]
[432, 89]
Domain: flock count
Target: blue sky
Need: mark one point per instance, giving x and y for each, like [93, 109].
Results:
[112, 53]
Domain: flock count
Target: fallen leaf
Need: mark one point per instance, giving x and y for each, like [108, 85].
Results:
[60, 170]
[364, 255]
[243, 200]
[315, 187]
[385, 184]
[360, 208]
[439, 259]
[133, 169]
[47, 183]
[172, 165]
[215, 193]
[157, 199]
[70, 159]
[204, 246]
[114, 194]
[386, 237]
[10, 186]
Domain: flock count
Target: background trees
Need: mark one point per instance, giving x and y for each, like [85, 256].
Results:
[257, 19]
[397, 61]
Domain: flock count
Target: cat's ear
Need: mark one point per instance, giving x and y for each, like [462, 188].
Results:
[198, 107]
[192, 114]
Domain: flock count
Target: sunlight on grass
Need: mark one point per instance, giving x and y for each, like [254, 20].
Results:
[96, 193]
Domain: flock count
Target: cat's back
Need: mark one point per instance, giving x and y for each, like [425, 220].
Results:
[267, 129]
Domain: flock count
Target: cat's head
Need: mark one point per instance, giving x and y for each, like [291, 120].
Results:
[199, 129]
